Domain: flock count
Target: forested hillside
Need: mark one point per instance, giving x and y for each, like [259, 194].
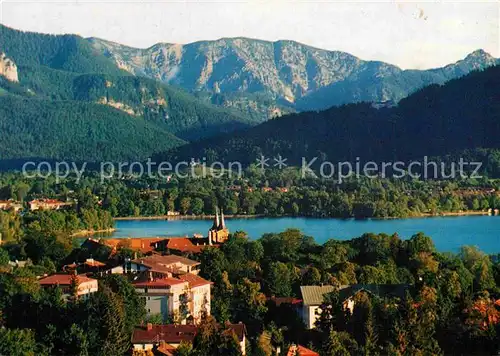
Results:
[77, 100]
[69, 52]
[72, 130]
[170, 108]
[437, 120]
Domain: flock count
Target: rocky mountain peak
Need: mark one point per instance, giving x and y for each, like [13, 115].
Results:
[480, 57]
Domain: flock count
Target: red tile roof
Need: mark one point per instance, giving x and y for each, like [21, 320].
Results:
[300, 350]
[174, 334]
[285, 300]
[183, 244]
[158, 283]
[194, 280]
[63, 279]
[144, 245]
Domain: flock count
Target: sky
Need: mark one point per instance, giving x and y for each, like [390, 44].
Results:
[408, 34]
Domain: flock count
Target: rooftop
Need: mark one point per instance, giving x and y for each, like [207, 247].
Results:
[158, 283]
[174, 334]
[285, 300]
[299, 350]
[182, 244]
[313, 295]
[194, 280]
[141, 244]
[63, 279]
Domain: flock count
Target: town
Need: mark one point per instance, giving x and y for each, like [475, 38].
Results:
[249, 178]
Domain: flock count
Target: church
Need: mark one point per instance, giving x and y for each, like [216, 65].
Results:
[218, 233]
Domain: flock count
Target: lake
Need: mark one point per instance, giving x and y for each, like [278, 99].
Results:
[448, 233]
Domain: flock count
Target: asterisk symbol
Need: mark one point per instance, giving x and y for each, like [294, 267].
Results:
[280, 162]
[262, 163]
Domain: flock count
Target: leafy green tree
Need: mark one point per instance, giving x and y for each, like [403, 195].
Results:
[339, 344]
[249, 304]
[17, 342]
[75, 342]
[280, 279]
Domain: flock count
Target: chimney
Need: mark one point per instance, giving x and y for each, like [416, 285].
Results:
[149, 326]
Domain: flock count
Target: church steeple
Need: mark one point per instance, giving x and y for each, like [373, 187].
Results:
[215, 225]
[222, 225]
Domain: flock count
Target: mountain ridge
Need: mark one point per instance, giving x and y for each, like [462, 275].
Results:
[294, 76]
[438, 120]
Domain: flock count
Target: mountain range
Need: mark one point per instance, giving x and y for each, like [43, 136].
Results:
[459, 117]
[85, 92]
[290, 76]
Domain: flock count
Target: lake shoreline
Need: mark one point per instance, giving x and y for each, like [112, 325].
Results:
[449, 232]
[85, 233]
[257, 216]
[191, 217]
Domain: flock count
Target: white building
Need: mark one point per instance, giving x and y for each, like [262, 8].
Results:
[86, 285]
[312, 298]
[183, 298]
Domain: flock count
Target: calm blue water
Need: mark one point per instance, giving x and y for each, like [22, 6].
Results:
[448, 233]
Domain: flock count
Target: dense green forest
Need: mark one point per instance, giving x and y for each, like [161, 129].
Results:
[70, 130]
[62, 77]
[68, 52]
[168, 107]
[463, 114]
[276, 193]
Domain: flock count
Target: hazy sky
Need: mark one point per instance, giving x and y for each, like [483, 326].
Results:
[411, 35]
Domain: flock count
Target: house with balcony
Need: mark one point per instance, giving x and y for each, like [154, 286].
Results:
[178, 296]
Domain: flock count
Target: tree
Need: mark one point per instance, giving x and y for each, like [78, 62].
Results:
[197, 206]
[185, 205]
[184, 349]
[17, 342]
[339, 344]
[4, 257]
[249, 304]
[280, 279]
[312, 276]
[332, 253]
[108, 312]
[212, 339]
[133, 304]
[75, 342]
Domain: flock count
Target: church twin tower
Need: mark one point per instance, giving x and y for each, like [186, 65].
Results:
[218, 233]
